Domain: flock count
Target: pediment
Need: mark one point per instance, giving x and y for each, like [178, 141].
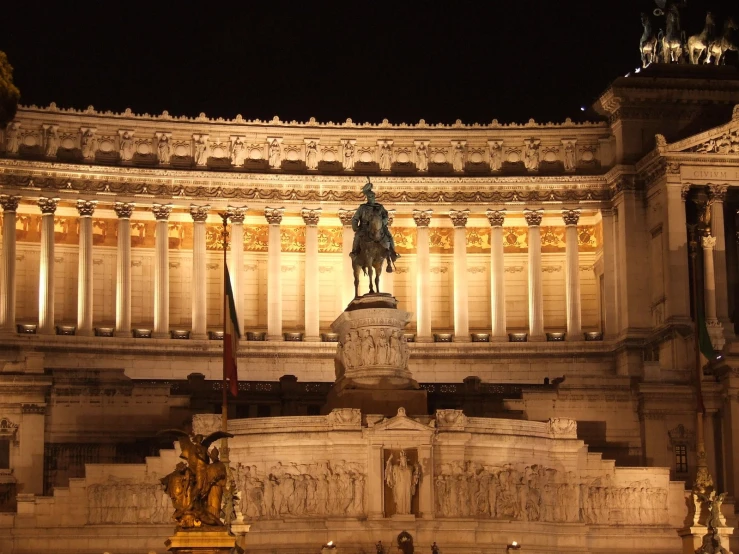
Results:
[401, 422]
[721, 140]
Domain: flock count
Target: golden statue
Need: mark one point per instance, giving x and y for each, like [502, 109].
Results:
[196, 487]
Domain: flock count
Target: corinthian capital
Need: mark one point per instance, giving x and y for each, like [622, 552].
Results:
[47, 205]
[236, 215]
[346, 217]
[161, 211]
[311, 216]
[459, 217]
[9, 203]
[533, 217]
[717, 193]
[199, 213]
[124, 209]
[571, 217]
[496, 217]
[86, 207]
[422, 217]
[274, 215]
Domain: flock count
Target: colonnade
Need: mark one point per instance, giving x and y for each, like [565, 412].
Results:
[311, 217]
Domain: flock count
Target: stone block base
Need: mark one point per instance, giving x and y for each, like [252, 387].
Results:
[695, 537]
[203, 542]
[385, 402]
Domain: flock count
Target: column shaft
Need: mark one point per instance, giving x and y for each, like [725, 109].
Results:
[461, 280]
[718, 230]
[387, 281]
[274, 275]
[123, 271]
[709, 282]
[84, 271]
[199, 306]
[677, 287]
[7, 276]
[497, 276]
[347, 275]
[572, 276]
[312, 314]
[423, 290]
[161, 271]
[236, 264]
[536, 300]
[46, 267]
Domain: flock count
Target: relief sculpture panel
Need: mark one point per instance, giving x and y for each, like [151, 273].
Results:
[119, 501]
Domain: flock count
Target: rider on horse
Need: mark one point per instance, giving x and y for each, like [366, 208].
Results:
[361, 225]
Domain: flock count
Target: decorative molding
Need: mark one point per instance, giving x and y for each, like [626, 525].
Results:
[287, 268]
[476, 269]
[212, 266]
[251, 267]
[326, 269]
[551, 268]
[438, 269]
[33, 409]
[174, 265]
[513, 269]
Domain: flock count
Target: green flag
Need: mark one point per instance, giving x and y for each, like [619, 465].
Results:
[704, 340]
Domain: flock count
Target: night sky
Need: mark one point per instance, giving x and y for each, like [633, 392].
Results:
[403, 61]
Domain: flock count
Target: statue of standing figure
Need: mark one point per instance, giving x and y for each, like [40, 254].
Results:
[403, 480]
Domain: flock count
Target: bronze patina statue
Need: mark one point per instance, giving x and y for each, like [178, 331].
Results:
[373, 242]
[196, 487]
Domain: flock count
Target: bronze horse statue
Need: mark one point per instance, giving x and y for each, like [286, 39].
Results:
[716, 52]
[698, 44]
[673, 40]
[648, 42]
[372, 253]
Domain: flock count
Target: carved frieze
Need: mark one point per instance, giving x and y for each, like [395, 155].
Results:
[125, 501]
[727, 143]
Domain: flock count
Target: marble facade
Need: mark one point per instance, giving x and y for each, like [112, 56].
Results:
[530, 253]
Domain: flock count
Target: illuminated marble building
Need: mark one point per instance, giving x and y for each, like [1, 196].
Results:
[530, 253]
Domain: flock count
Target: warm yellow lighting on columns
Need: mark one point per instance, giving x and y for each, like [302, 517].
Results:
[199, 216]
[387, 281]
[84, 272]
[423, 269]
[123, 269]
[274, 274]
[46, 266]
[717, 195]
[497, 275]
[312, 319]
[536, 299]
[461, 280]
[572, 275]
[7, 276]
[236, 264]
[347, 273]
[161, 271]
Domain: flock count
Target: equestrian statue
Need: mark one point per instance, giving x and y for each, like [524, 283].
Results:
[373, 241]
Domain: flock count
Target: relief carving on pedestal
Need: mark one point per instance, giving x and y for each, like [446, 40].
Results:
[539, 493]
[335, 488]
[374, 347]
[128, 501]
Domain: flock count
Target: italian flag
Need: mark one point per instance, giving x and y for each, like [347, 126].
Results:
[231, 336]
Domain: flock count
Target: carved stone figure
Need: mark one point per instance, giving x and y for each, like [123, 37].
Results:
[275, 154]
[570, 162]
[88, 144]
[403, 480]
[311, 155]
[52, 142]
[201, 151]
[531, 154]
[197, 489]
[386, 156]
[422, 156]
[12, 143]
[164, 149]
[125, 501]
[373, 241]
[496, 155]
[238, 152]
[126, 146]
[348, 155]
[458, 157]
[368, 347]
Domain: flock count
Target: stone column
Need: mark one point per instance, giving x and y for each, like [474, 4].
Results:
[347, 274]
[423, 290]
[715, 329]
[46, 267]
[161, 271]
[572, 275]
[199, 287]
[236, 265]
[717, 194]
[312, 319]
[536, 300]
[7, 275]
[461, 292]
[497, 276]
[274, 274]
[84, 272]
[123, 269]
[387, 281]
[609, 301]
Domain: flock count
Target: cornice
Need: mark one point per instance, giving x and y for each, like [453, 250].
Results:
[127, 115]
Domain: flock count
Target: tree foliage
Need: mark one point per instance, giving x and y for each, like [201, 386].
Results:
[9, 93]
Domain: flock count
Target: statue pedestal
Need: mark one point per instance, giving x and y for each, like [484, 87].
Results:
[372, 359]
[203, 542]
[695, 537]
